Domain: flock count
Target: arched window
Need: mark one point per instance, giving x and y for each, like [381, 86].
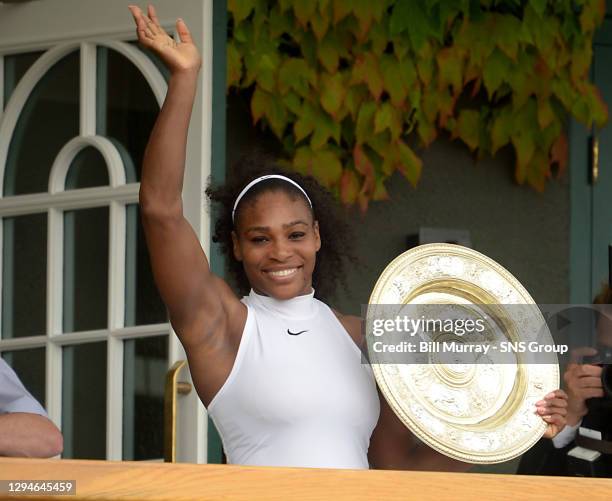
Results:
[79, 305]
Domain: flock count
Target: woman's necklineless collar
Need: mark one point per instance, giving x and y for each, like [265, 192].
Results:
[297, 307]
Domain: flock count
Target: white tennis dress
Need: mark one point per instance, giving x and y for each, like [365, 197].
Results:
[298, 394]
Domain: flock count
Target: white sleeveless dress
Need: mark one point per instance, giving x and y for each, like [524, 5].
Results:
[298, 393]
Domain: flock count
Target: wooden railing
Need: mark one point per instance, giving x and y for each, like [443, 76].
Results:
[106, 480]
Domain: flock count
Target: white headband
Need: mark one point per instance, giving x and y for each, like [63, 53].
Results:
[263, 178]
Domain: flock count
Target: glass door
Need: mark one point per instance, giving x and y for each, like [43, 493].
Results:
[81, 320]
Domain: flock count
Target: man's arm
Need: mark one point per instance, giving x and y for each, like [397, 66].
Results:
[29, 435]
[25, 429]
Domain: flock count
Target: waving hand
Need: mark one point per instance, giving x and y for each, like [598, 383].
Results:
[180, 56]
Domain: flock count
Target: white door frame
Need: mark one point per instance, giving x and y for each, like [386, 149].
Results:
[60, 26]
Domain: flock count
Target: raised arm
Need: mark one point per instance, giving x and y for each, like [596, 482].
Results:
[198, 301]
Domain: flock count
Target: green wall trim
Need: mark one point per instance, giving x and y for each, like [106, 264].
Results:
[582, 237]
[217, 261]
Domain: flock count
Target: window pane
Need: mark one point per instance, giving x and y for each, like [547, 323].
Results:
[85, 269]
[24, 275]
[49, 119]
[127, 108]
[84, 401]
[15, 67]
[30, 367]
[88, 169]
[143, 304]
[145, 366]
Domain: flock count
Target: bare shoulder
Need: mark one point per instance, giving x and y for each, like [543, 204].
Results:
[352, 324]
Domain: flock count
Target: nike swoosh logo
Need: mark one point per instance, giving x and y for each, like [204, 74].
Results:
[295, 333]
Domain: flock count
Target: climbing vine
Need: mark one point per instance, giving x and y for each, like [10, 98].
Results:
[353, 88]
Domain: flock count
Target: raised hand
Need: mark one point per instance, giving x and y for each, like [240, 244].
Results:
[181, 57]
[553, 410]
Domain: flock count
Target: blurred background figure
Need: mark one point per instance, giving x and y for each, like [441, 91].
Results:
[584, 446]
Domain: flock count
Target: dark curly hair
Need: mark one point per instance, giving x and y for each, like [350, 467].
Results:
[334, 255]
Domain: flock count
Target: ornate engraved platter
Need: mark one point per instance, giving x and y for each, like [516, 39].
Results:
[480, 410]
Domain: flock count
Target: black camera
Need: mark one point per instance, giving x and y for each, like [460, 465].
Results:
[603, 358]
[593, 455]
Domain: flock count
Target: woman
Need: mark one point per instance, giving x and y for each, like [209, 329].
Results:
[279, 371]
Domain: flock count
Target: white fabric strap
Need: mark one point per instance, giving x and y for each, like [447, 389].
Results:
[263, 178]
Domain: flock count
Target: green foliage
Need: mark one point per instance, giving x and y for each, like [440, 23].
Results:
[353, 87]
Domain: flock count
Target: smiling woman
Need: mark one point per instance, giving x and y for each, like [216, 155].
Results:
[308, 198]
[277, 241]
[280, 372]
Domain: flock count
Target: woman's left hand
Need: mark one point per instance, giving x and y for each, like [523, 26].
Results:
[553, 410]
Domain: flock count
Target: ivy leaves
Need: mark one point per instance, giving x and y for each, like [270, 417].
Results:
[352, 87]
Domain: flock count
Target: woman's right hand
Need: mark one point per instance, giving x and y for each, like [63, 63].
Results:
[181, 57]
